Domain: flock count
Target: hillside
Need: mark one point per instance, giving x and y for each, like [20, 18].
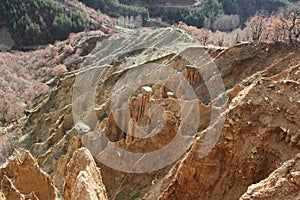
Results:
[41, 22]
[26, 75]
[27, 24]
[97, 102]
[195, 12]
[149, 115]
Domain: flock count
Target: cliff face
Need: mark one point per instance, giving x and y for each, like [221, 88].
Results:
[164, 118]
[21, 178]
[83, 180]
[283, 182]
[26, 75]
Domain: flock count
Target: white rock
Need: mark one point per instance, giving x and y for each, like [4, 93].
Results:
[82, 128]
[147, 88]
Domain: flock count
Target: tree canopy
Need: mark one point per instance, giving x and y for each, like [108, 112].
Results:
[41, 21]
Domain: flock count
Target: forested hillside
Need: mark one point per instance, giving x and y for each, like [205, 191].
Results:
[33, 22]
[212, 10]
[115, 8]
[204, 13]
[246, 8]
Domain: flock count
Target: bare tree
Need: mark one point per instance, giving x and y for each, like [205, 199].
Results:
[226, 23]
[291, 23]
[138, 22]
[257, 25]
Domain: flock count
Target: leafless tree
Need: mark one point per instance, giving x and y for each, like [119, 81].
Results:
[257, 25]
[291, 23]
[226, 23]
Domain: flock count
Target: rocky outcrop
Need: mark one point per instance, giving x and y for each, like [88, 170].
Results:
[21, 178]
[136, 94]
[83, 180]
[2, 196]
[259, 122]
[283, 183]
[9, 190]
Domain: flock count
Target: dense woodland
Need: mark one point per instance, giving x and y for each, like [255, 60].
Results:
[222, 15]
[116, 9]
[41, 21]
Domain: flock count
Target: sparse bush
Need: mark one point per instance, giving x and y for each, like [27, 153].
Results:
[42, 88]
[68, 48]
[218, 38]
[59, 70]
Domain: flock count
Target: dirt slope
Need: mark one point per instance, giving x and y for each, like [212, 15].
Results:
[246, 128]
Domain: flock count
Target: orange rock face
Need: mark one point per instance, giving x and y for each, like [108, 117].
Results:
[253, 144]
[22, 178]
[83, 180]
[283, 183]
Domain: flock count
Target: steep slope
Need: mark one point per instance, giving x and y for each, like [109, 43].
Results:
[259, 123]
[21, 178]
[83, 180]
[26, 75]
[283, 182]
[160, 124]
